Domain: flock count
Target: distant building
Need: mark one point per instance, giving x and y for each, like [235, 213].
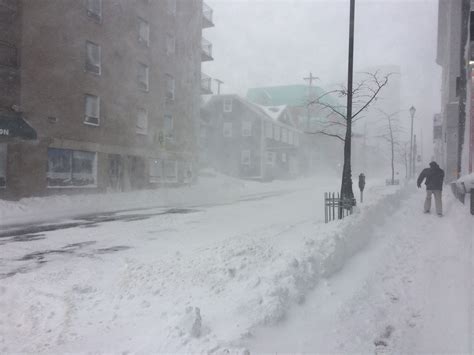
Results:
[112, 89]
[317, 150]
[455, 55]
[250, 141]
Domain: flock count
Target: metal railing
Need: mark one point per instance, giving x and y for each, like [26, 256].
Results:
[206, 50]
[206, 82]
[207, 14]
[335, 207]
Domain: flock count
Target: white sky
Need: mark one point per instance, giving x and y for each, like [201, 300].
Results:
[278, 42]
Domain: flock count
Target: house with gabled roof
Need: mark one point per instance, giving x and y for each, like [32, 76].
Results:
[316, 149]
[250, 141]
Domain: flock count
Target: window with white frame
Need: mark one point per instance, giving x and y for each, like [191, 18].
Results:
[94, 9]
[276, 132]
[245, 157]
[143, 31]
[93, 60]
[227, 129]
[171, 4]
[168, 126]
[284, 135]
[171, 170]
[227, 104]
[3, 165]
[155, 170]
[92, 109]
[283, 157]
[142, 122]
[71, 168]
[143, 76]
[268, 129]
[246, 128]
[271, 158]
[170, 87]
[170, 44]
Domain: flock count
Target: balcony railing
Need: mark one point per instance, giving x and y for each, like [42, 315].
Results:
[206, 50]
[206, 81]
[207, 16]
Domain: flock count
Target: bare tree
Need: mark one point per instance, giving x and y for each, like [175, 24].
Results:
[391, 131]
[338, 124]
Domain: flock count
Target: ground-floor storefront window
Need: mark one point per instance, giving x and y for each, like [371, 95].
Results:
[3, 165]
[71, 168]
[163, 170]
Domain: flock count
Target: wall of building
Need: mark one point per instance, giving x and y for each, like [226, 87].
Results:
[54, 81]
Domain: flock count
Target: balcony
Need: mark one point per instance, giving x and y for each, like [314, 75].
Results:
[206, 50]
[206, 84]
[207, 16]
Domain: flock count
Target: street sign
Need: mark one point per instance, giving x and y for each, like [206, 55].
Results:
[13, 126]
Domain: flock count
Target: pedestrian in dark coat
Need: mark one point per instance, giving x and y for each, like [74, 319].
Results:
[434, 176]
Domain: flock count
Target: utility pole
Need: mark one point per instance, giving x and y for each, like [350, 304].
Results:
[219, 82]
[310, 80]
[347, 194]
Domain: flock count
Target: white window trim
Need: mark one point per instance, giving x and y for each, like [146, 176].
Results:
[142, 130]
[227, 104]
[92, 14]
[246, 128]
[169, 134]
[94, 173]
[170, 92]
[147, 75]
[85, 113]
[99, 65]
[140, 39]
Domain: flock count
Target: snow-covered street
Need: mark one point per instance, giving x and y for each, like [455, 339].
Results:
[252, 268]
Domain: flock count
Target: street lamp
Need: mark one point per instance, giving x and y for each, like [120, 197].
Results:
[412, 158]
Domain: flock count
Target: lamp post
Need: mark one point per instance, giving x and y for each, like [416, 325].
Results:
[412, 158]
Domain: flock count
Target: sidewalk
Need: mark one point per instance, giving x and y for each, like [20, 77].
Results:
[409, 291]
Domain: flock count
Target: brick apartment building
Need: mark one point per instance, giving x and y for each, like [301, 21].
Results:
[111, 87]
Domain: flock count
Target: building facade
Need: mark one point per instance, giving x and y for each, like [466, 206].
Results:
[249, 141]
[455, 56]
[112, 88]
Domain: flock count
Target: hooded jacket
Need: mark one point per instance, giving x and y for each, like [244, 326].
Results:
[434, 176]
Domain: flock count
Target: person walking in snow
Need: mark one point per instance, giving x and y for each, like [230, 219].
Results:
[434, 176]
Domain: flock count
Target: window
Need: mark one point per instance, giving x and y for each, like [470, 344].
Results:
[284, 135]
[170, 86]
[228, 104]
[276, 132]
[271, 158]
[170, 44]
[268, 129]
[93, 61]
[227, 129]
[92, 110]
[94, 9]
[71, 168]
[246, 128]
[290, 137]
[245, 157]
[8, 55]
[143, 76]
[168, 126]
[283, 157]
[3, 165]
[143, 31]
[163, 170]
[171, 7]
[142, 122]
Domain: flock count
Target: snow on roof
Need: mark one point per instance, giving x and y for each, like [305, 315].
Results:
[274, 112]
